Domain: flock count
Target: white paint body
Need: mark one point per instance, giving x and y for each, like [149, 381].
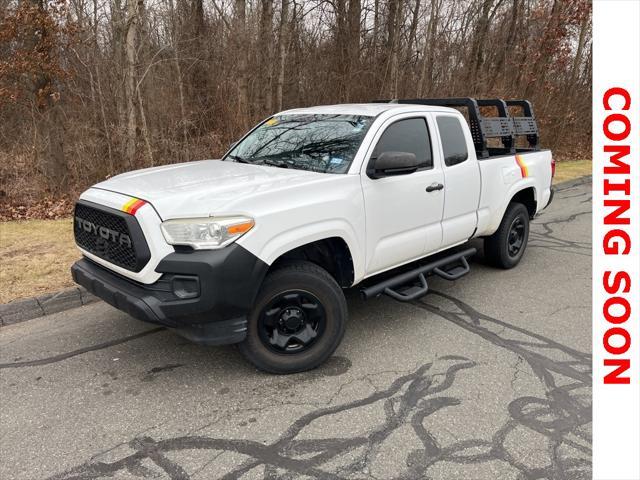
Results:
[385, 222]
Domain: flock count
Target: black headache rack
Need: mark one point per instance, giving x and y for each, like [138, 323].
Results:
[503, 126]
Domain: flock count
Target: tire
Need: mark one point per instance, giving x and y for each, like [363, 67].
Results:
[297, 321]
[499, 248]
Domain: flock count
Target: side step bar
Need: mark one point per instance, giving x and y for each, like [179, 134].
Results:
[388, 286]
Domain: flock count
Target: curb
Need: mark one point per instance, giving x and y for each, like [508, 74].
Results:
[35, 307]
[573, 182]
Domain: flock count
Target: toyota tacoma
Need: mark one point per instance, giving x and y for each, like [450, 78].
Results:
[257, 247]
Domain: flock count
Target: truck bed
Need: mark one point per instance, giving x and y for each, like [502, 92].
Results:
[504, 175]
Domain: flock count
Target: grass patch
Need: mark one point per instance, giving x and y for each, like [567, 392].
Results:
[570, 169]
[35, 257]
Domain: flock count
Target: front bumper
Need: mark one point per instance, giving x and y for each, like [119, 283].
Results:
[227, 282]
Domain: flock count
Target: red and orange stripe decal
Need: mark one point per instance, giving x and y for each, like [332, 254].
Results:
[523, 166]
[133, 205]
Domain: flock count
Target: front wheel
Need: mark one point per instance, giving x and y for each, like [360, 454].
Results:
[506, 246]
[298, 320]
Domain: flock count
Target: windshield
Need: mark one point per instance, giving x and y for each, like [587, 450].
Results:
[320, 143]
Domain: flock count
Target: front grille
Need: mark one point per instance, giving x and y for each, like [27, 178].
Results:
[111, 235]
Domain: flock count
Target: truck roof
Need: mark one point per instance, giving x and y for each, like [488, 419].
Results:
[365, 109]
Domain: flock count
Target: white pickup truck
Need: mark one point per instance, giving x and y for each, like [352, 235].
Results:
[256, 248]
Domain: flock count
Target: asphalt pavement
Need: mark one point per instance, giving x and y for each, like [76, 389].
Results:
[487, 377]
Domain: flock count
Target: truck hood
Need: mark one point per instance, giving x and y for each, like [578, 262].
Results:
[206, 187]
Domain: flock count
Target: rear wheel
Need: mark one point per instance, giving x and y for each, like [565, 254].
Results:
[506, 246]
[298, 320]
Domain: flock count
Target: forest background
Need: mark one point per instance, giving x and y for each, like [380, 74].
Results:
[92, 88]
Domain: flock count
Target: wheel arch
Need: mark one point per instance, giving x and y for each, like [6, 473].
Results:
[527, 197]
[525, 194]
[332, 254]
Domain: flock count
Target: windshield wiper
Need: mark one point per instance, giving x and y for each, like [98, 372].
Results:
[275, 163]
[238, 159]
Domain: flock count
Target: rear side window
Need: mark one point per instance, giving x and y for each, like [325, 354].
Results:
[410, 135]
[454, 144]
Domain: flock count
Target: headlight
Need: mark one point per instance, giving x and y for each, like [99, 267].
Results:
[206, 233]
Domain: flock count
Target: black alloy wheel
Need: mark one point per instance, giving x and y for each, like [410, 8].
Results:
[506, 246]
[516, 236]
[297, 320]
[291, 322]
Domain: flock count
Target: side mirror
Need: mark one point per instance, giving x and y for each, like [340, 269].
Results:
[393, 163]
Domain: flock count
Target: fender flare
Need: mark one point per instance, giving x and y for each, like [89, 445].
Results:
[302, 235]
[516, 188]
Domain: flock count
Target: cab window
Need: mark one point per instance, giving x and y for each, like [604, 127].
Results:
[454, 143]
[411, 136]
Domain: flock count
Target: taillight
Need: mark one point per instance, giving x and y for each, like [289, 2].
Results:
[553, 168]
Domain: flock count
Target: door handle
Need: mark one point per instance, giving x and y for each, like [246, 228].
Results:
[435, 186]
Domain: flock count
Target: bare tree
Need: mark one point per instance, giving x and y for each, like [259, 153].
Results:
[241, 43]
[265, 54]
[131, 41]
[283, 45]
[394, 24]
[90, 88]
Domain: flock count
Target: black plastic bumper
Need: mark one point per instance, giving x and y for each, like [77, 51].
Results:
[227, 282]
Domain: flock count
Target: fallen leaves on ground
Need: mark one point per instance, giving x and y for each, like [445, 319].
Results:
[46, 209]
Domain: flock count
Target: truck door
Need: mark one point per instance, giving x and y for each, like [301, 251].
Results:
[461, 179]
[403, 212]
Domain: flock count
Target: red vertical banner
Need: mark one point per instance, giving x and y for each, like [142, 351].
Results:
[616, 239]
